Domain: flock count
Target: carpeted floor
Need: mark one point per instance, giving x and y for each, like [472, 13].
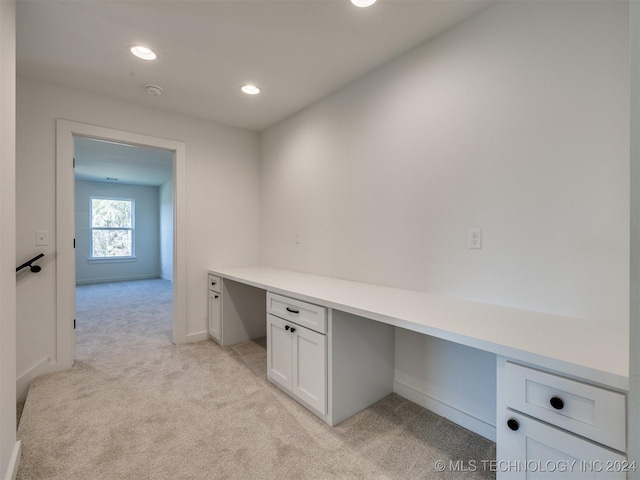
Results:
[135, 406]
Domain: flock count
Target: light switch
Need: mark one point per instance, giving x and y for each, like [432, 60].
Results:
[42, 238]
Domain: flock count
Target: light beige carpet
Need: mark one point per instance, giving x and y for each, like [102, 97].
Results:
[135, 406]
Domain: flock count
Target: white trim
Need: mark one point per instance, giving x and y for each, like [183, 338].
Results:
[64, 347]
[117, 279]
[463, 419]
[132, 228]
[23, 381]
[65, 229]
[633, 405]
[14, 462]
[111, 259]
[197, 337]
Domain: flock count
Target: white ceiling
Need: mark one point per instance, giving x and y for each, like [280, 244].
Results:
[297, 51]
[102, 161]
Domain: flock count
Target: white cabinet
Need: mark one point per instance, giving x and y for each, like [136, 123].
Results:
[279, 352]
[309, 376]
[584, 409]
[297, 361]
[334, 363]
[297, 355]
[215, 316]
[551, 426]
[215, 283]
[528, 448]
[215, 308]
[302, 313]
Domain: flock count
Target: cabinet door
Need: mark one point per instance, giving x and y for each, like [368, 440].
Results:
[537, 450]
[215, 316]
[279, 351]
[309, 382]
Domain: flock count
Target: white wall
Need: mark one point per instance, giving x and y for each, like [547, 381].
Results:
[633, 410]
[515, 121]
[146, 233]
[222, 163]
[165, 193]
[9, 448]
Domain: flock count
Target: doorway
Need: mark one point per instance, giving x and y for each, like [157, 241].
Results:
[66, 133]
[124, 229]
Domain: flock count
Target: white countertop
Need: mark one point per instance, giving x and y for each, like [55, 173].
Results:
[595, 351]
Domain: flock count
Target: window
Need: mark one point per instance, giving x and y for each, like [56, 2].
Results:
[112, 224]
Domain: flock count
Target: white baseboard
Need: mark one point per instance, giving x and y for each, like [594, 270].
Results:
[14, 463]
[197, 337]
[90, 281]
[24, 380]
[459, 417]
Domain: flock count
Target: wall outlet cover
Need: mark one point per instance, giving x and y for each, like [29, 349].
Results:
[475, 238]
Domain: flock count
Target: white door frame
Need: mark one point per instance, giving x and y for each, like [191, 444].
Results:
[65, 229]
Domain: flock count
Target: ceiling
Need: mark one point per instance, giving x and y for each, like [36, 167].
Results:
[103, 161]
[297, 51]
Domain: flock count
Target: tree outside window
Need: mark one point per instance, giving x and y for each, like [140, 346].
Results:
[112, 226]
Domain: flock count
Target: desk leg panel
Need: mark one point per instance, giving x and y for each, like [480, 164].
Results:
[362, 364]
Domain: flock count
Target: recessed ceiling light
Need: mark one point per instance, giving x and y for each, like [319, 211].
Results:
[143, 52]
[363, 3]
[250, 89]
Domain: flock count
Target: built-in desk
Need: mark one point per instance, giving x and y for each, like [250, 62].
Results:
[574, 351]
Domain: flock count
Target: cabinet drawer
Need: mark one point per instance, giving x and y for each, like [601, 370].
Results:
[215, 283]
[528, 448]
[297, 311]
[587, 410]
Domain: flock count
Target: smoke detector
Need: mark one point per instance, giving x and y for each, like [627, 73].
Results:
[154, 90]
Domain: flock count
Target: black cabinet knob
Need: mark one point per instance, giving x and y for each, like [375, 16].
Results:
[557, 403]
[513, 424]
[293, 329]
[287, 327]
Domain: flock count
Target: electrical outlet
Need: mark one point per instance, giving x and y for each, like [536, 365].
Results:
[475, 238]
[297, 238]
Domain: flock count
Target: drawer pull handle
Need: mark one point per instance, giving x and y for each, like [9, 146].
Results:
[513, 424]
[293, 329]
[557, 403]
[287, 327]
[291, 310]
[213, 283]
[216, 296]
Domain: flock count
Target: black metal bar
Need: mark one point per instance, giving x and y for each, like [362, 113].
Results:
[34, 268]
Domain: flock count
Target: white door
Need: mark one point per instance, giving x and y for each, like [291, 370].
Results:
[309, 381]
[215, 316]
[279, 351]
